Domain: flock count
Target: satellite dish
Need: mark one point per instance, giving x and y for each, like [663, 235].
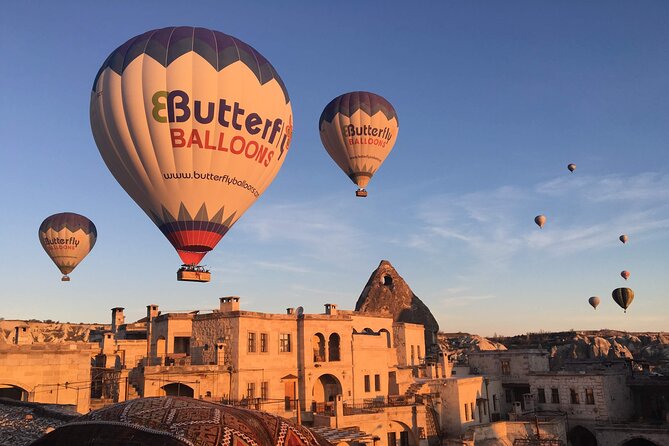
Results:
[299, 311]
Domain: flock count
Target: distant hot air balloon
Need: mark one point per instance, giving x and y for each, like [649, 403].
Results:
[571, 167]
[625, 274]
[194, 125]
[67, 238]
[594, 301]
[359, 130]
[540, 220]
[623, 238]
[623, 297]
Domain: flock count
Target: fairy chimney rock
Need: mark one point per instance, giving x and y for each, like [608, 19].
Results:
[387, 292]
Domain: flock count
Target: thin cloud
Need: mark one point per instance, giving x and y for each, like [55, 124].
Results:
[285, 267]
[494, 226]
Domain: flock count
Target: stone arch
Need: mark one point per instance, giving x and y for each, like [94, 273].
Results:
[318, 344]
[398, 428]
[580, 436]
[326, 388]
[638, 441]
[389, 343]
[13, 392]
[178, 389]
[334, 344]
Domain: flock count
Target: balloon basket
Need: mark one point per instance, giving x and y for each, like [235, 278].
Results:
[191, 273]
[361, 193]
[65, 279]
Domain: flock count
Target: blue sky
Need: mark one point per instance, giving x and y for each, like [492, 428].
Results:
[494, 100]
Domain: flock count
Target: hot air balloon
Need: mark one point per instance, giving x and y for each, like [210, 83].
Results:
[359, 130]
[194, 124]
[571, 167]
[594, 301]
[625, 274]
[623, 297]
[540, 220]
[623, 238]
[67, 238]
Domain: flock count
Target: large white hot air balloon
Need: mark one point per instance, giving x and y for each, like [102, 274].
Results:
[194, 124]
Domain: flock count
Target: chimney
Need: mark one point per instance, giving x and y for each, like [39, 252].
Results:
[229, 303]
[151, 311]
[331, 309]
[22, 335]
[290, 310]
[118, 318]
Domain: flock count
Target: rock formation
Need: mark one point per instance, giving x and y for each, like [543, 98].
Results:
[387, 292]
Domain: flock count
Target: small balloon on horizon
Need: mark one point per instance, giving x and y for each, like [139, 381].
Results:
[540, 220]
[623, 238]
[594, 301]
[571, 167]
[625, 274]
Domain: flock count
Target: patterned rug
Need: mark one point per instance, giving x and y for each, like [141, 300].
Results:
[178, 421]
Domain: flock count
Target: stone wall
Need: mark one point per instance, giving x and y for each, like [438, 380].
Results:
[50, 373]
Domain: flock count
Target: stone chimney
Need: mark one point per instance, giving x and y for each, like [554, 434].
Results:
[22, 335]
[331, 309]
[118, 318]
[151, 312]
[229, 303]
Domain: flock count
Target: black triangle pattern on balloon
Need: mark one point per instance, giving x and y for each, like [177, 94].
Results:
[201, 222]
[349, 103]
[70, 221]
[168, 44]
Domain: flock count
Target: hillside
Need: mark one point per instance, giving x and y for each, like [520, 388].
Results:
[652, 347]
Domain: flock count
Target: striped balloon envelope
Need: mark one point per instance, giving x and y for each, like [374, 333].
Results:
[358, 130]
[194, 124]
[67, 238]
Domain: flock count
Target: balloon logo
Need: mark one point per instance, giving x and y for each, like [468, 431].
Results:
[625, 274]
[359, 130]
[540, 220]
[623, 297]
[194, 124]
[594, 301]
[67, 238]
[571, 167]
[623, 238]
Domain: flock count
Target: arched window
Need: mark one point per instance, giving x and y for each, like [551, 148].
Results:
[318, 343]
[333, 347]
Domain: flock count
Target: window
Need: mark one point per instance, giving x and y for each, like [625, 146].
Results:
[542, 395]
[418, 348]
[506, 367]
[333, 347]
[509, 395]
[251, 390]
[494, 403]
[377, 383]
[264, 390]
[413, 361]
[555, 396]
[251, 342]
[284, 342]
[392, 439]
[573, 396]
[367, 386]
[466, 412]
[589, 396]
[471, 410]
[264, 342]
